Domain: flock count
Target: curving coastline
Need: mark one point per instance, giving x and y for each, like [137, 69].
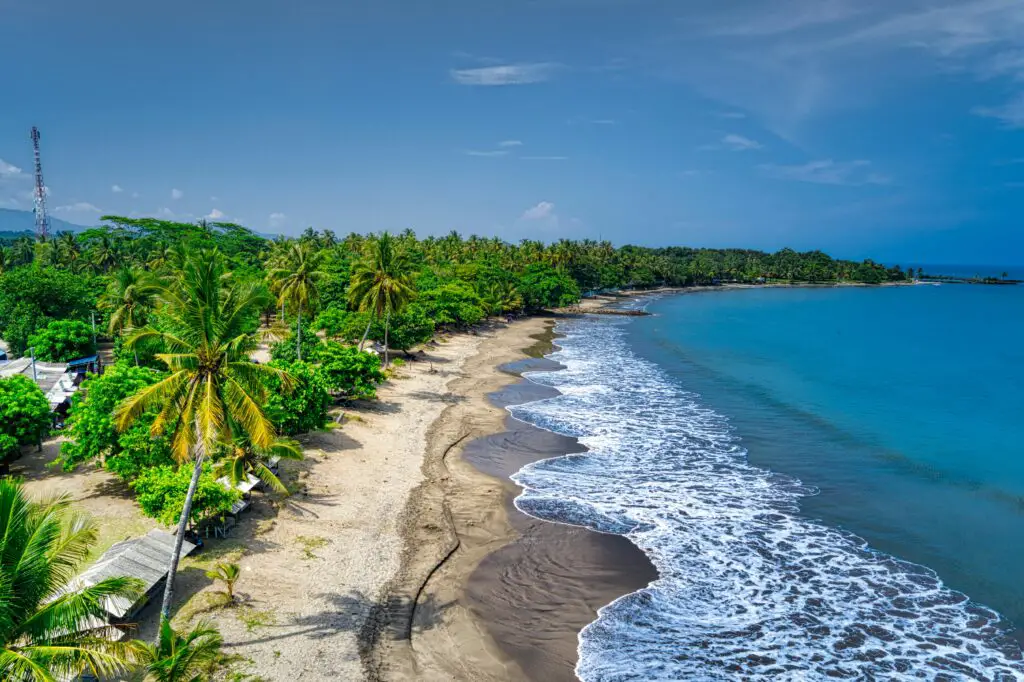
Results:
[485, 592]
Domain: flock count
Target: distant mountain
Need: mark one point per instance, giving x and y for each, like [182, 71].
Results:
[13, 223]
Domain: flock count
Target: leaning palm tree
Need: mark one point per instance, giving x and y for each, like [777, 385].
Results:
[382, 283]
[51, 627]
[244, 457]
[293, 276]
[187, 657]
[212, 383]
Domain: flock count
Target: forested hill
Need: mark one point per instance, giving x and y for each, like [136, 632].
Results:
[15, 224]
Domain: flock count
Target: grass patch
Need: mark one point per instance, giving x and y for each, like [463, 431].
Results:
[112, 529]
[398, 362]
[254, 619]
[308, 544]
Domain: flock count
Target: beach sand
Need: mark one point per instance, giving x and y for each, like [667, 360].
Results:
[485, 592]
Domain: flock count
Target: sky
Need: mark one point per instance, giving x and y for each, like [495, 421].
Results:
[889, 129]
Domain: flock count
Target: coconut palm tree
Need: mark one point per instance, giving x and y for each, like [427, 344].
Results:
[129, 296]
[214, 391]
[293, 276]
[382, 283]
[187, 657]
[104, 254]
[227, 574]
[243, 457]
[51, 627]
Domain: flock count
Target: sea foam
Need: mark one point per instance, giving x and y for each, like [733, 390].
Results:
[748, 588]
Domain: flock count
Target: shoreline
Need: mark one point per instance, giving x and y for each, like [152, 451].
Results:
[484, 591]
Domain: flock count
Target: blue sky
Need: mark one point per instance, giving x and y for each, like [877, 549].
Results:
[891, 129]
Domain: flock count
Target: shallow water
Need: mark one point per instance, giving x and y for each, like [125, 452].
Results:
[796, 464]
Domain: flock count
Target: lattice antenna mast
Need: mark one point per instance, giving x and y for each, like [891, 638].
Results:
[42, 220]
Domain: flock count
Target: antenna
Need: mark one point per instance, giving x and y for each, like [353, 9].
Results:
[39, 203]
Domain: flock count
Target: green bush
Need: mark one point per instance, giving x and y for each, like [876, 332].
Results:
[542, 286]
[160, 491]
[90, 424]
[305, 407]
[455, 303]
[24, 414]
[62, 341]
[286, 349]
[350, 372]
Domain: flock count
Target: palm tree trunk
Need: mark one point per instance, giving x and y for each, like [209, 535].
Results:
[186, 512]
[298, 337]
[366, 333]
[387, 320]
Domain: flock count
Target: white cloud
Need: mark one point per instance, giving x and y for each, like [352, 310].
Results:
[214, 199]
[277, 219]
[544, 158]
[510, 143]
[507, 74]
[738, 143]
[116, 189]
[828, 172]
[8, 170]
[177, 194]
[490, 153]
[215, 214]
[1011, 114]
[544, 209]
[78, 207]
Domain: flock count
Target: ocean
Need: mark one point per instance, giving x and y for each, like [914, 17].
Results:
[829, 481]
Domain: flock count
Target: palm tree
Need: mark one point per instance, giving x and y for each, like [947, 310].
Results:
[129, 296]
[382, 282]
[227, 574]
[51, 627]
[104, 254]
[294, 277]
[185, 657]
[244, 457]
[212, 384]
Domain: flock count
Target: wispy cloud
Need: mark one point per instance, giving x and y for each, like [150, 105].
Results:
[78, 207]
[828, 172]
[510, 143]
[277, 219]
[486, 152]
[8, 170]
[604, 121]
[507, 74]
[116, 189]
[544, 209]
[736, 143]
[1010, 114]
[177, 194]
[544, 158]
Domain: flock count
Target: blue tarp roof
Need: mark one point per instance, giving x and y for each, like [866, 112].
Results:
[82, 361]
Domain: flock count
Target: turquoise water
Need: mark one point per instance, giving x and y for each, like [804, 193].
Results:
[830, 482]
[904, 406]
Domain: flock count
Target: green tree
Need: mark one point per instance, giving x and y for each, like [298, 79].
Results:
[382, 283]
[62, 341]
[542, 287]
[30, 297]
[212, 381]
[304, 406]
[350, 371]
[52, 628]
[187, 657]
[455, 304]
[129, 298]
[294, 276]
[242, 458]
[24, 414]
[161, 492]
[92, 433]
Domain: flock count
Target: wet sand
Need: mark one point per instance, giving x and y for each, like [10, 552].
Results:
[536, 593]
[485, 592]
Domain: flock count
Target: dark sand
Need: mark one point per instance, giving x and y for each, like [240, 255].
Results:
[535, 594]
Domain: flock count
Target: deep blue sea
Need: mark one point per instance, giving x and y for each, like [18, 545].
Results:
[829, 481]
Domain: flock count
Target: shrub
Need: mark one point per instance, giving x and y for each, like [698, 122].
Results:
[454, 303]
[349, 371]
[542, 286]
[285, 350]
[305, 407]
[160, 491]
[24, 414]
[90, 424]
[62, 340]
